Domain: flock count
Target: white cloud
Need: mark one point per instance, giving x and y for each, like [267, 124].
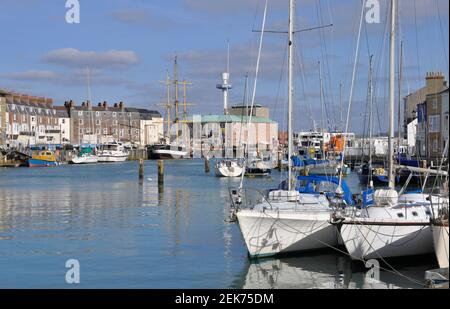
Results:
[33, 75]
[71, 57]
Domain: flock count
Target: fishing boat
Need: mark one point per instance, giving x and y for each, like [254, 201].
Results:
[395, 224]
[112, 152]
[291, 218]
[42, 159]
[228, 168]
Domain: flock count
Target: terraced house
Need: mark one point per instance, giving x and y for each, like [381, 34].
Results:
[27, 120]
[103, 123]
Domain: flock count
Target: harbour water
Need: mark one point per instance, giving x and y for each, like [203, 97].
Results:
[131, 235]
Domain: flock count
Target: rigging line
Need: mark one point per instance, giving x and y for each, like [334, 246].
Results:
[417, 39]
[392, 270]
[351, 91]
[324, 51]
[442, 33]
[255, 86]
[298, 55]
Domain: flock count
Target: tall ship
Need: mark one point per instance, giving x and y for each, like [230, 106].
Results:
[176, 149]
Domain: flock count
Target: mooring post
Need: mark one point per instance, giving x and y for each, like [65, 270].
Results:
[141, 170]
[279, 161]
[207, 169]
[160, 172]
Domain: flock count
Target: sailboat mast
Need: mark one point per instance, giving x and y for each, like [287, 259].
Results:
[291, 88]
[400, 80]
[392, 93]
[370, 117]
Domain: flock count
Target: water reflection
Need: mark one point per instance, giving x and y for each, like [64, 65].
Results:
[326, 271]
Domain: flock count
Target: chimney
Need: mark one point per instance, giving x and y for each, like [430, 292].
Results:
[88, 104]
[435, 82]
[99, 104]
[116, 105]
[121, 105]
[83, 104]
[105, 104]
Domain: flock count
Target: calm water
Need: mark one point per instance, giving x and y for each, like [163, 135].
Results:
[127, 235]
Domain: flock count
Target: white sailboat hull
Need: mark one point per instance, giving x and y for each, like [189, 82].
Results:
[441, 246]
[232, 169]
[367, 238]
[112, 157]
[267, 233]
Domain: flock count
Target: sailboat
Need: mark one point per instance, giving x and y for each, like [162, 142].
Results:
[87, 157]
[396, 224]
[166, 150]
[228, 167]
[288, 219]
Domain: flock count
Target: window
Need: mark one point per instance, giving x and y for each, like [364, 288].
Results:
[13, 107]
[115, 122]
[435, 145]
[81, 131]
[33, 119]
[80, 113]
[415, 214]
[63, 121]
[435, 105]
[14, 117]
[98, 131]
[105, 131]
[434, 124]
[400, 215]
[24, 118]
[97, 114]
[98, 122]
[114, 114]
[121, 133]
[81, 122]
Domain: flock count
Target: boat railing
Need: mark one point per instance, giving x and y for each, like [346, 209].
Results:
[247, 198]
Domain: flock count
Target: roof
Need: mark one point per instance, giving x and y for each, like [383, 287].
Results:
[232, 119]
[245, 106]
[4, 92]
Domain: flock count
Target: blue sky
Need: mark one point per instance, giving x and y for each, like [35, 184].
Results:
[130, 44]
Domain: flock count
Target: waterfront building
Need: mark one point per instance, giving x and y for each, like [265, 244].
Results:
[151, 127]
[29, 120]
[3, 116]
[103, 124]
[435, 83]
[432, 129]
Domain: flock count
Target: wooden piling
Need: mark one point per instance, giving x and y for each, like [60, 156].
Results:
[141, 170]
[160, 172]
[207, 168]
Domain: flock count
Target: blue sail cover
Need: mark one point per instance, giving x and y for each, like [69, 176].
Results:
[311, 181]
[302, 162]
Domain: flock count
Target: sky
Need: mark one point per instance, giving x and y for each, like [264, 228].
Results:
[129, 45]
